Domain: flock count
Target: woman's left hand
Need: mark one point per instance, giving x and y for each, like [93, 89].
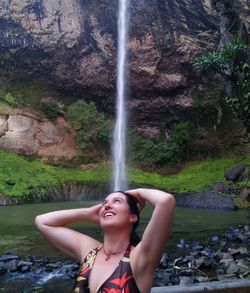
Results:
[136, 194]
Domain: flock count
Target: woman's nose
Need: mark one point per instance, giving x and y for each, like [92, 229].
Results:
[107, 205]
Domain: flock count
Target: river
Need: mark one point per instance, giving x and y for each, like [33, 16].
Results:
[18, 233]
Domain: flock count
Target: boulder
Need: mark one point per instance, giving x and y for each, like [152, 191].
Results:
[235, 172]
[24, 266]
[3, 268]
[245, 194]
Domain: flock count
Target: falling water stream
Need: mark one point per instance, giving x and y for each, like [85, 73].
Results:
[119, 140]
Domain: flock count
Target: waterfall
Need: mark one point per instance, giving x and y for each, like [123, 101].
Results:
[119, 138]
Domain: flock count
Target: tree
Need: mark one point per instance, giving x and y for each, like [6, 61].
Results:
[231, 63]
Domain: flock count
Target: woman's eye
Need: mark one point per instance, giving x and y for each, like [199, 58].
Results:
[117, 200]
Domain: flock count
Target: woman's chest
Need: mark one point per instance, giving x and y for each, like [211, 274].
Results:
[101, 272]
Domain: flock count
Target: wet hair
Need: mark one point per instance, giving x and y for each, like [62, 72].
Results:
[133, 206]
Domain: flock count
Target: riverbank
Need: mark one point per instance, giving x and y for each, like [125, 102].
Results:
[219, 258]
[23, 180]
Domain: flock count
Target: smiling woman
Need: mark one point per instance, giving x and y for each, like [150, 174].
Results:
[122, 262]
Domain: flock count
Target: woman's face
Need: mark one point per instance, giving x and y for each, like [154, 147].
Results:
[115, 211]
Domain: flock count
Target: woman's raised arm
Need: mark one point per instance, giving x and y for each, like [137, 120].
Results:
[154, 238]
[52, 226]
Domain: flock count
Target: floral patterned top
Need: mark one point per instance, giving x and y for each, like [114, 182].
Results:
[121, 280]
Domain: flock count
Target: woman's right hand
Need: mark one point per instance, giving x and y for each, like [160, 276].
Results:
[94, 213]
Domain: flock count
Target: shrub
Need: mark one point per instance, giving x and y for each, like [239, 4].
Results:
[51, 107]
[91, 127]
[215, 60]
[10, 99]
[231, 63]
[51, 111]
[145, 151]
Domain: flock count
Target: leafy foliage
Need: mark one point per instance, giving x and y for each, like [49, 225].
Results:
[10, 99]
[147, 152]
[28, 179]
[241, 102]
[91, 127]
[231, 63]
[196, 176]
[214, 60]
[23, 178]
[51, 110]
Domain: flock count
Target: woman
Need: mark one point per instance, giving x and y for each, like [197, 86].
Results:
[118, 263]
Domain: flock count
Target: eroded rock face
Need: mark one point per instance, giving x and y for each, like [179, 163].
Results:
[73, 44]
[77, 40]
[26, 135]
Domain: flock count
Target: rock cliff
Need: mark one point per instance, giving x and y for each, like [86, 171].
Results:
[25, 134]
[73, 45]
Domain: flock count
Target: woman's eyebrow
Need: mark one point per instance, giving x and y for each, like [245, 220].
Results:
[118, 197]
[104, 201]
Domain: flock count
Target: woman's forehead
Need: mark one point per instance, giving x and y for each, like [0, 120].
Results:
[114, 195]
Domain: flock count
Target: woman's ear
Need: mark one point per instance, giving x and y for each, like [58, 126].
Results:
[133, 218]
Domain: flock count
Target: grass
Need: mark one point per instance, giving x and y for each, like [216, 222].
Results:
[196, 176]
[20, 177]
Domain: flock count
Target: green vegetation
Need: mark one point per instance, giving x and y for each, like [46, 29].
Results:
[231, 64]
[30, 179]
[4, 108]
[91, 127]
[51, 111]
[147, 152]
[22, 178]
[195, 176]
[8, 98]
[216, 60]
[28, 92]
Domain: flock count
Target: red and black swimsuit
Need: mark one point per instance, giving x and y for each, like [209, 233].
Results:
[121, 280]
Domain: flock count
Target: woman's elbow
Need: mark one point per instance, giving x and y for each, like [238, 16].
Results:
[169, 201]
[39, 222]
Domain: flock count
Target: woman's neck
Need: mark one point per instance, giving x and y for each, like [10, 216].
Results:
[114, 242]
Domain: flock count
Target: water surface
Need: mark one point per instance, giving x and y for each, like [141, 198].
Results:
[19, 235]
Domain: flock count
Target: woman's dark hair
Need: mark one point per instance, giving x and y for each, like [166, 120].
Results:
[132, 202]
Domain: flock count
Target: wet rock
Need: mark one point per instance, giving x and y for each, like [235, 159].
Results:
[162, 277]
[215, 238]
[226, 277]
[203, 262]
[230, 266]
[185, 272]
[243, 265]
[12, 265]
[185, 281]
[3, 268]
[235, 172]
[218, 187]
[52, 266]
[8, 257]
[200, 279]
[227, 256]
[24, 266]
[245, 275]
[245, 194]
[207, 251]
[208, 199]
[164, 261]
[182, 244]
[196, 246]
[239, 251]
